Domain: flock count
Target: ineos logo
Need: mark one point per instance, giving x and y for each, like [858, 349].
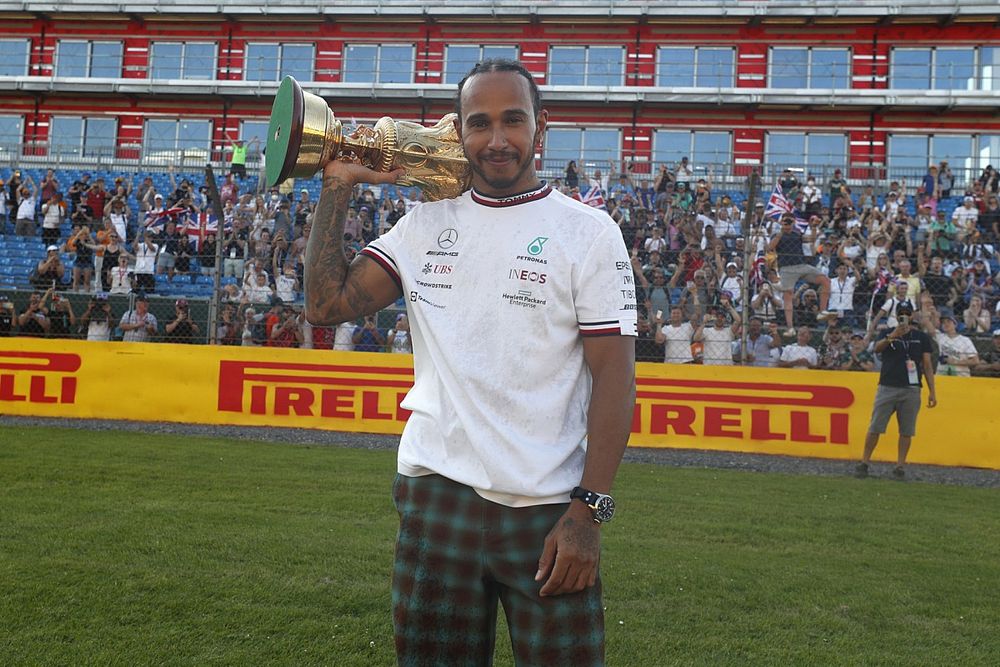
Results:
[448, 238]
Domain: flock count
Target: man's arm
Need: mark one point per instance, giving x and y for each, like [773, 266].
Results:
[929, 377]
[572, 548]
[336, 291]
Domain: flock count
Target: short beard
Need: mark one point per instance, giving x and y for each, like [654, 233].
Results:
[501, 185]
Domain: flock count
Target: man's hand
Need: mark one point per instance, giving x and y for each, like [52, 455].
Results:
[932, 400]
[571, 553]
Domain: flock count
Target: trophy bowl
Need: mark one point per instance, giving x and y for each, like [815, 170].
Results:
[304, 135]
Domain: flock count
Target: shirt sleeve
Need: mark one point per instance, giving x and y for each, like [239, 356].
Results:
[386, 248]
[604, 292]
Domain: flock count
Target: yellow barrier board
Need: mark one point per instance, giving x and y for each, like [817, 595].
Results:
[770, 411]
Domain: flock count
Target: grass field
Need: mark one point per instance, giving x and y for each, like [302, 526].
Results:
[140, 550]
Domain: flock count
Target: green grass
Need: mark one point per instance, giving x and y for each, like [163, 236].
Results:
[117, 548]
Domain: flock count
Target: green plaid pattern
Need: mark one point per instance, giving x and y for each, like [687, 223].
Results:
[457, 554]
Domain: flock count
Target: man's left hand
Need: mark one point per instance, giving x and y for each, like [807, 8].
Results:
[571, 553]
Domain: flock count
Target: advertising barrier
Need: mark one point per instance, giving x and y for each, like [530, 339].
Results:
[772, 411]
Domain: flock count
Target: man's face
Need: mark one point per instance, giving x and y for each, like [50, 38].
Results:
[499, 132]
[936, 265]
[34, 299]
[835, 336]
[755, 327]
[901, 290]
[858, 343]
[804, 336]
[948, 325]
[141, 307]
[676, 316]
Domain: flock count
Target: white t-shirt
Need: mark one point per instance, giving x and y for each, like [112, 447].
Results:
[842, 293]
[718, 346]
[145, 259]
[794, 352]
[26, 209]
[53, 215]
[99, 330]
[500, 295]
[677, 349]
[959, 347]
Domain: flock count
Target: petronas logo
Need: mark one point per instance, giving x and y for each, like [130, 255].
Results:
[535, 247]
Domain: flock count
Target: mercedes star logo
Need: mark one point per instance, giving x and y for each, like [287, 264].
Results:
[448, 238]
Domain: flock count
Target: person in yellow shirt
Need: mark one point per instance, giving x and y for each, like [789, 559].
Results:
[238, 161]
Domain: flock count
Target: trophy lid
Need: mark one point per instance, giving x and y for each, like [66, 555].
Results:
[284, 132]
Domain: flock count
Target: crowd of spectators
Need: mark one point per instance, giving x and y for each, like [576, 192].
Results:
[813, 286]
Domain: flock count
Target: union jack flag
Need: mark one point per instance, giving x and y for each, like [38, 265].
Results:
[200, 226]
[155, 220]
[593, 197]
[758, 271]
[778, 205]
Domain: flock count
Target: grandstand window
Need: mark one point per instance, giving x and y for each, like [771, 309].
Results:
[254, 128]
[89, 59]
[910, 154]
[183, 60]
[167, 140]
[809, 68]
[590, 146]
[460, 59]
[11, 132]
[273, 62]
[586, 66]
[702, 148]
[910, 69]
[77, 136]
[955, 69]
[386, 63]
[699, 67]
[988, 150]
[817, 153]
[989, 68]
[13, 57]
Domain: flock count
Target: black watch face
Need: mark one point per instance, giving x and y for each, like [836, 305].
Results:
[605, 509]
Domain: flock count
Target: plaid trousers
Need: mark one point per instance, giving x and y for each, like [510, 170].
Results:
[457, 554]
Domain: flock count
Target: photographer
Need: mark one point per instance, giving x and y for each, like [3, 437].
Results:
[34, 321]
[7, 316]
[906, 361]
[49, 271]
[181, 329]
[367, 337]
[138, 324]
[62, 320]
[97, 318]
[287, 332]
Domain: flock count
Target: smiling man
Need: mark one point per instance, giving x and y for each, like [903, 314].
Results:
[522, 312]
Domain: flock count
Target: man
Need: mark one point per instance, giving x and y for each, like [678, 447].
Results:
[906, 359]
[964, 218]
[792, 265]
[96, 319]
[530, 449]
[859, 358]
[836, 350]
[718, 334]
[7, 314]
[759, 344]
[182, 329]
[801, 354]
[989, 363]
[675, 337]
[49, 269]
[836, 186]
[238, 162]
[138, 324]
[367, 337]
[890, 309]
[25, 223]
[34, 321]
[958, 352]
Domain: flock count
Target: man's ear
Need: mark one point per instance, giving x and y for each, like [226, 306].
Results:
[458, 127]
[540, 122]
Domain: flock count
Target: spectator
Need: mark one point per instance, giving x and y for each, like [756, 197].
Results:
[228, 330]
[96, 197]
[53, 214]
[792, 266]
[957, 353]
[800, 354]
[238, 158]
[14, 198]
[989, 363]
[976, 317]
[25, 224]
[945, 180]
[287, 332]
[229, 192]
[78, 190]
[62, 319]
[836, 349]
[256, 290]
[182, 260]
[253, 329]
[34, 321]
[145, 262]
[49, 272]
[182, 329]
[842, 293]
[118, 217]
[7, 314]
[96, 319]
[167, 244]
[860, 358]
[398, 339]
[889, 308]
[367, 337]
[965, 218]
[138, 324]
[761, 348]
[50, 186]
[836, 186]
[676, 337]
[82, 244]
[234, 253]
[206, 255]
[717, 333]
[683, 173]
[572, 175]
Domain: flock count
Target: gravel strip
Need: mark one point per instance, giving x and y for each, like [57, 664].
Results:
[685, 458]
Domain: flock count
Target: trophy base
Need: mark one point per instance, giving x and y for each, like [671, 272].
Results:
[302, 135]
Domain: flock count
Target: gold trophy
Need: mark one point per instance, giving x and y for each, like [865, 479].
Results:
[303, 136]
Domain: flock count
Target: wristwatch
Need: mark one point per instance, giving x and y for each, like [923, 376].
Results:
[601, 505]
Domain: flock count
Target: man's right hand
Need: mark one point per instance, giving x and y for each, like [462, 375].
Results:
[352, 174]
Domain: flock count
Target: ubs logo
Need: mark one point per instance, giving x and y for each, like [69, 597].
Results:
[448, 238]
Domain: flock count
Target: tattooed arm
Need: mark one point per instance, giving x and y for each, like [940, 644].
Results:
[335, 290]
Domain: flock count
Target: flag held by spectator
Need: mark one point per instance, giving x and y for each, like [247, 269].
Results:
[779, 205]
[593, 197]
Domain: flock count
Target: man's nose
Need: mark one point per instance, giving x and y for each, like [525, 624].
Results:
[498, 138]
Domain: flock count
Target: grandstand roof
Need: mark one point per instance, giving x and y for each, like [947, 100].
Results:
[881, 10]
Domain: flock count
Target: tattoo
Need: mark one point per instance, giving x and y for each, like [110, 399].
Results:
[329, 281]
